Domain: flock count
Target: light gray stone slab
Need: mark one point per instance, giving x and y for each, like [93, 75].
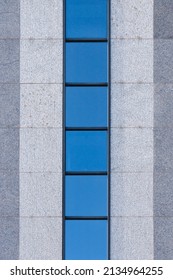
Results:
[163, 238]
[163, 61]
[9, 61]
[131, 61]
[163, 194]
[163, 149]
[41, 105]
[163, 20]
[40, 150]
[131, 105]
[131, 194]
[41, 194]
[41, 61]
[132, 238]
[9, 149]
[131, 150]
[9, 238]
[9, 105]
[41, 238]
[9, 194]
[41, 18]
[132, 19]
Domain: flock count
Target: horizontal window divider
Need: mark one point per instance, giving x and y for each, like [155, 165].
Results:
[73, 173]
[86, 40]
[86, 218]
[86, 128]
[86, 84]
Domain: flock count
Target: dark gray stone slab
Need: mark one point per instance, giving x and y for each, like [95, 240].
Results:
[163, 238]
[163, 19]
[11, 6]
[9, 194]
[163, 61]
[9, 238]
[163, 150]
[163, 109]
[9, 61]
[9, 105]
[9, 149]
[163, 194]
[9, 25]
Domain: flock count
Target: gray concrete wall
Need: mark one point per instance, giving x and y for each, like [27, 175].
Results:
[31, 84]
[9, 128]
[132, 129]
[41, 78]
[163, 132]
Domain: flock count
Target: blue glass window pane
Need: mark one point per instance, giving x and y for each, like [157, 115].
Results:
[86, 62]
[86, 18]
[86, 240]
[86, 196]
[86, 106]
[86, 151]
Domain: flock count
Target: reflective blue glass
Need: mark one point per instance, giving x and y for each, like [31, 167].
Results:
[86, 195]
[86, 106]
[86, 151]
[86, 62]
[86, 18]
[86, 240]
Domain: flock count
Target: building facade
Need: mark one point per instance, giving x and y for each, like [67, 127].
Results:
[32, 129]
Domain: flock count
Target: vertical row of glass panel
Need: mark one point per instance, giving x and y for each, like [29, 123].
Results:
[86, 124]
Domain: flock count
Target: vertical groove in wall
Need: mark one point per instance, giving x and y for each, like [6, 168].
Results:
[41, 87]
[132, 129]
[163, 136]
[9, 129]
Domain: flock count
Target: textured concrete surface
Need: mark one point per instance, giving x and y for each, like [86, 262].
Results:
[41, 61]
[41, 19]
[163, 61]
[132, 61]
[41, 194]
[131, 150]
[163, 152]
[9, 6]
[9, 238]
[40, 238]
[163, 238]
[132, 238]
[9, 61]
[163, 194]
[41, 77]
[9, 148]
[131, 194]
[163, 135]
[163, 20]
[163, 109]
[132, 19]
[9, 105]
[132, 105]
[40, 150]
[41, 105]
[9, 19]
[9, 194]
